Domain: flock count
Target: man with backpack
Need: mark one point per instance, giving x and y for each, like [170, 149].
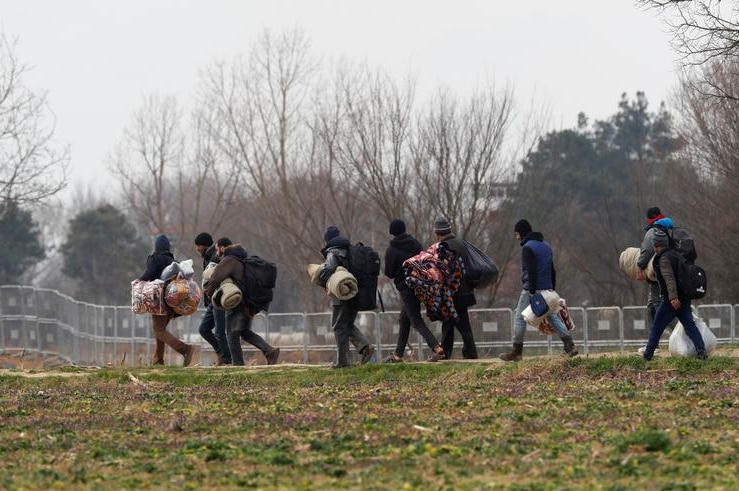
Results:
[402, 247]
[336, 253]
[214, 319]
[675, 301]
[464, 298]
[655, 220]
[238, 320]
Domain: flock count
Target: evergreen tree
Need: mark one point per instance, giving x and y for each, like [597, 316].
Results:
[19, 242]
[104, 253]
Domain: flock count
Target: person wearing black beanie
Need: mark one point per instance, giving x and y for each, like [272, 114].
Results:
[404, 246]
[537, 274]
[213, 325]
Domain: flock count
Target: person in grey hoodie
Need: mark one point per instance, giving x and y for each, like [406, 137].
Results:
[402, 247]
[336, 253]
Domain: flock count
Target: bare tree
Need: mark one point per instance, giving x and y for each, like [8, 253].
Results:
[32, 166]
[710, 193]
[374, 144]
[458, 158]
[148, 162]
[706, 32]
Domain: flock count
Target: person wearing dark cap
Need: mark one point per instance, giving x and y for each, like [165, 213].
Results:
[537, 273]
[674, 303]
[336, 253]
[155, 264]
[403, 246]
[239, 318]
[213, 325]
[655, 220]
[464, 298]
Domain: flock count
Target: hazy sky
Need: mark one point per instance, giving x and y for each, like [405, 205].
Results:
[97, 59]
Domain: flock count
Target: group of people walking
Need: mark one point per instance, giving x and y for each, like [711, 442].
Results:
[223, 330]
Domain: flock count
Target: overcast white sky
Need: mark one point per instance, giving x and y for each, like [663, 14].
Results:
[97, 59]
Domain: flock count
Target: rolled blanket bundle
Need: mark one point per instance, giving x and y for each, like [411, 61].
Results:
[313, 271]
[228, 296]
[342, 284]
[627, 263]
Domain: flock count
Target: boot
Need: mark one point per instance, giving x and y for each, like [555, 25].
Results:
[515, 355]
[569, 345]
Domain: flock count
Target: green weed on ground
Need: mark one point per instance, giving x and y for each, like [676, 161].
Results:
[606, 423]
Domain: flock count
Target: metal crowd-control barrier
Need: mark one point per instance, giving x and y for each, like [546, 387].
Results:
[48, 323]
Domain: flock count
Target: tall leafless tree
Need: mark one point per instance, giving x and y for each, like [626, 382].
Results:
[706, 33]
[149, 160]
[33, 167]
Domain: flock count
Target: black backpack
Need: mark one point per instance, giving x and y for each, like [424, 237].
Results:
[691, 279]
[681, 241]
[258, 283]
[364, 264]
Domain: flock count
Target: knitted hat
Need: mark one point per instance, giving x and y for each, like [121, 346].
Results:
[660, 238]
[204, 239]
[653, 212]
[331, 232]
[523, 227]
[442, 227]
[161, 243]
[397, 227]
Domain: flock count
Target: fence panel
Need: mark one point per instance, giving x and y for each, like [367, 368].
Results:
[604, 328]
[48, 322]
[720, 319]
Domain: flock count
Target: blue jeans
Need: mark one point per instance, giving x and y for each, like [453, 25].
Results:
[665, 314]
[519, 324]
[215, 318]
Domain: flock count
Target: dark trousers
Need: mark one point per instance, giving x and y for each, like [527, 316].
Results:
[462, 323]
[213, 329]
[665, 314]
[238, 327]
[410, 315]
[345, 331]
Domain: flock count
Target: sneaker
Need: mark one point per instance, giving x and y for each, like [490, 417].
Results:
[189, 351]
[393, 358]
[336, 365]
[368, 355]
[644, 348]
[272, 356]
[437, 354]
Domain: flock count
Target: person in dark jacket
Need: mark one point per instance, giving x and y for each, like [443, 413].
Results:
[464, 298]
[537, 273]
[336, 253]
[238, 320]
[402, 247]
[214, 319]
[155, 264]
[674, 302]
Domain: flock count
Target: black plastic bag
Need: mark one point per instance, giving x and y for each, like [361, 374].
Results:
[481, 270]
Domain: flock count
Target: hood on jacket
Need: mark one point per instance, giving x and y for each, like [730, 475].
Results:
[235, 250]
[533, 236]
[404, 242]
[161, 244]
[665, 222]
[339, 243]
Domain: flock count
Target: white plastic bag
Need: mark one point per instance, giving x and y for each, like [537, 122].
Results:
[681, 345]
[530, 318]
[552, 299]
[182, 269]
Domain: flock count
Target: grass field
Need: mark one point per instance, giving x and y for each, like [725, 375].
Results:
[604, 422]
